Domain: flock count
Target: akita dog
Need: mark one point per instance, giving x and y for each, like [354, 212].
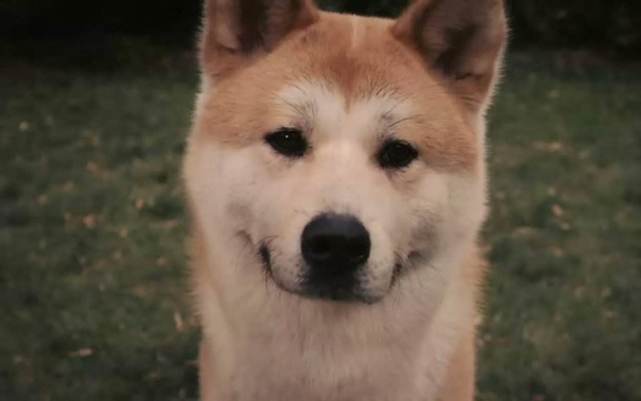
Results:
[336, 179]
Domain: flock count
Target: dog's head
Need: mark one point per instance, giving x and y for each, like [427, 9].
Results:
[339, 154]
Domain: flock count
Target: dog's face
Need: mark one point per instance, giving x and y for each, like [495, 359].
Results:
[331, 156]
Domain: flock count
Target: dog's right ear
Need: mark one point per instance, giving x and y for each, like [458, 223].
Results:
[236, 31]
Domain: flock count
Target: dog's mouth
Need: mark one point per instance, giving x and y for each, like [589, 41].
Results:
[266, 258]
[404, 265]
[341, 289]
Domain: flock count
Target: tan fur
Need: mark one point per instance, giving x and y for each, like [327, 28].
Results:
[348, 83]
[379, 64]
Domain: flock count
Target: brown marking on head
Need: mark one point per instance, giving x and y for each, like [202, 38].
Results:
[440, 66]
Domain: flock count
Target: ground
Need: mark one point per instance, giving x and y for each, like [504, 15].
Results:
[92, 229]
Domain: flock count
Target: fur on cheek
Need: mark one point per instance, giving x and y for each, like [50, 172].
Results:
[467, 205]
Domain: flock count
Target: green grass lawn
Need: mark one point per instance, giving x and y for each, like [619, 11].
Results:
[92, 230]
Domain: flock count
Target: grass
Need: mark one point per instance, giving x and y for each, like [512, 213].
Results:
[565, 305]
[92, 227]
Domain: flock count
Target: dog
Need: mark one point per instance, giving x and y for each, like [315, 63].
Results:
[336, 180]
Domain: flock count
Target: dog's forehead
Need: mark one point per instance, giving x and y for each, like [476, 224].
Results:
[353, 65]
[357, 54]
[328, 111]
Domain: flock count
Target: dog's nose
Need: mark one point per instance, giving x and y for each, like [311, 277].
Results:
[335, 243]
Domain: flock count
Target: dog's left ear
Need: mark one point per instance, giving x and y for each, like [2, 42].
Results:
[463, 40]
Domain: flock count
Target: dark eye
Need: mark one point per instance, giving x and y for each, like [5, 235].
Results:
[288, 142]
[396, 154]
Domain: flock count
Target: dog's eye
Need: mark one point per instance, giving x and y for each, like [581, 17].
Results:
[396, 154]
[288, 142]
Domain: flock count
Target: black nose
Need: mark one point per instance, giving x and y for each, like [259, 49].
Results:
[335, 243]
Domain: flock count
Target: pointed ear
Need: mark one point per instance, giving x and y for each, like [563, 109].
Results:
[235, 30]
[463, 40]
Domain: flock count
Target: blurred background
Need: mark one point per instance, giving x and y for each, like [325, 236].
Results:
[95, 104]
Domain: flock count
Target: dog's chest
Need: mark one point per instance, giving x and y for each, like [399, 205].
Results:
[315, 375]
